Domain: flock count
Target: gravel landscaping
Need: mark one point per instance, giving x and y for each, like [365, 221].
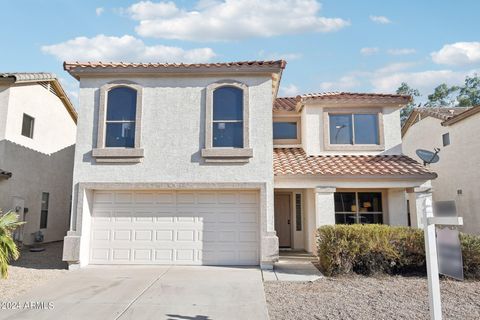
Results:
[369, 298]
[32, 269]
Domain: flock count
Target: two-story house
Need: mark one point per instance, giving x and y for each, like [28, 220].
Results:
[202, 164]
[37, 142]
[455, 132]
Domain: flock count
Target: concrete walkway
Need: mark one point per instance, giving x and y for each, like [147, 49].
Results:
[293, 266]
[141, 292]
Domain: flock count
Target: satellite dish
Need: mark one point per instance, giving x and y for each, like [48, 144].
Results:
[428, 156]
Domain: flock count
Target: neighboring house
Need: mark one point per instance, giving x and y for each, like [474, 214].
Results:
[37, 141]
[456, 132]
[202, 164]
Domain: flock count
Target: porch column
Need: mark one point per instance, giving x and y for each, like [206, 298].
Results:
[324, 206]
[397, 208]
[417, 197]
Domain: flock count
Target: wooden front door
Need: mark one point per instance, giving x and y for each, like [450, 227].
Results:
[282, 220]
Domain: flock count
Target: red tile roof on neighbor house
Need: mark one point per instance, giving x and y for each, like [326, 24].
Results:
[448, 115]
[442, 113]
[289, 104]
[294, 161]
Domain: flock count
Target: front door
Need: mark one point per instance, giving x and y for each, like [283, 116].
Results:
[282, 219]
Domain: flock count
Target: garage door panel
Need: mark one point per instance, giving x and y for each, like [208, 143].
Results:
[175, 227]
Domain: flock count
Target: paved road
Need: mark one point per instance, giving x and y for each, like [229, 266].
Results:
[141, 292]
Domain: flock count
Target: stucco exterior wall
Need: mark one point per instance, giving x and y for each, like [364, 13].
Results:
[54, 128]
[34, 173]
[397, 207]
[458, 168]
[4, 97]
[313, 135]
[173, 135]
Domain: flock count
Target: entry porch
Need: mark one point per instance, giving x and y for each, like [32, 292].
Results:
[299, 212]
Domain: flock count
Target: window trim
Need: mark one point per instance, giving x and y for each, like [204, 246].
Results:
[297, 141]
[32, 127]
[353, 147]
[118, 154]
[384, 197]
[44, 210]
[446, 139]
[226, 154]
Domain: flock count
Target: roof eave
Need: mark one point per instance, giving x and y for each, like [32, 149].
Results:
[78, 72]
[421, 177]
[461, 116]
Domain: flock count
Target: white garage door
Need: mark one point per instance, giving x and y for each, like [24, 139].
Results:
[175, 227]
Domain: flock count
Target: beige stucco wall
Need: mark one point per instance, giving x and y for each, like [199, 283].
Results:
[173, 134]
[33, 173]
[4, 97]
[459, 165]
[313, 136]
[54, 128]
[41, 164]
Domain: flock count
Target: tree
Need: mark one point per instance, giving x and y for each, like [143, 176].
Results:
[406, 90]
[443, 96]
[8, 248]
[469, 94]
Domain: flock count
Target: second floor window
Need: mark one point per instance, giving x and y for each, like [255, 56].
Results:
[285, 130]
[27, 126]
[227, 120]
[354, 129]
[120, 118]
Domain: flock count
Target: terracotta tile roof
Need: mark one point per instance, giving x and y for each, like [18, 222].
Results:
[285, 104]
[294, 161]
[68, 66]
[441, 113]
[351, 95]
[462, 115]
[289, 104]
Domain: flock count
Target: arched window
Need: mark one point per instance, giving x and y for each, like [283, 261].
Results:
[120, 117]
[227, 120]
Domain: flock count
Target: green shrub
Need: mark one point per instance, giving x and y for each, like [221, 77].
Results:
[369, 249]
[471, 255]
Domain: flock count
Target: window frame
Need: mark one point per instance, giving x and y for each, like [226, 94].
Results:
[296, 141]
[357, 213]
[32, 126]
[226, 154]
[42, 211]
[118, 154]
[446, 139]
[353, 147]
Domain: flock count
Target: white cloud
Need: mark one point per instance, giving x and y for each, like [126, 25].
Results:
[289, 90]
[99, 11]
[459, 53]
[125, 48]
[380, 19]
[388, 78]
[401, 51]
[368, 51]
[345, 83]
[231, 19]
[146, 10]
[278, 56]
[424, 81]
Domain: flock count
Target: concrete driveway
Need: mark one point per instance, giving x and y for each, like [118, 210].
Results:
[143, 292]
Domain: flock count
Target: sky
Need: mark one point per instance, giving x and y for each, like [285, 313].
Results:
[330, 45]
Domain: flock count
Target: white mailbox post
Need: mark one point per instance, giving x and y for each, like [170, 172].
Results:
[431, 255]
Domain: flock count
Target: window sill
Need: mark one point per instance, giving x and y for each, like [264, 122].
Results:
[353, 147]
[118, 155]
[240, 155]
